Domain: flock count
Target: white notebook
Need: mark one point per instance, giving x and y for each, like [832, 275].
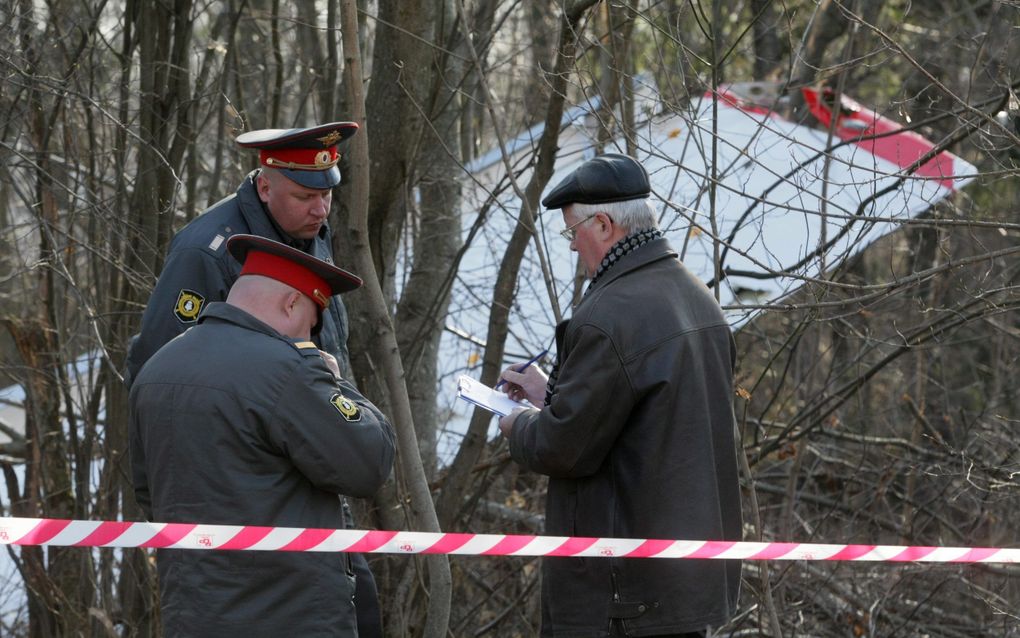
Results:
[483, 396]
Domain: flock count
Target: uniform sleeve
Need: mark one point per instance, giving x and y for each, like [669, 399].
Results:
[571, 436]
[139, 477]
[342, 354]
[191, 279]
[333, 435]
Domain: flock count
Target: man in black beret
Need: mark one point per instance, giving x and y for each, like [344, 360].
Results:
[287, 199]
[635, 428]
[242, 420]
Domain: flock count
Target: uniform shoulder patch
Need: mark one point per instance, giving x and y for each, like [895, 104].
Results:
[189, 305]
[348, 409]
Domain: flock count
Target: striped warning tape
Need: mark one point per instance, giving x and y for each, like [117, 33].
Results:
[48, 531]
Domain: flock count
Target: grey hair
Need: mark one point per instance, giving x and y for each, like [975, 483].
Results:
[631, 214]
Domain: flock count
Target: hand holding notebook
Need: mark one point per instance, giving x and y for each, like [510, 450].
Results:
[474, 391]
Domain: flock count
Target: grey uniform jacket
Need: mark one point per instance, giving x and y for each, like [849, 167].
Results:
[637, 439]
[198, 271]
[233, 423]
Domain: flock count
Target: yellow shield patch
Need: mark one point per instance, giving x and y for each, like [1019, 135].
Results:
[348, 409]
[189, 304]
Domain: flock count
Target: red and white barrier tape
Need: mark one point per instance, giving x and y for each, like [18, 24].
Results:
[48, 531]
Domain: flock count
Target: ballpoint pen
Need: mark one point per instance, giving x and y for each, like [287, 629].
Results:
[524, 367]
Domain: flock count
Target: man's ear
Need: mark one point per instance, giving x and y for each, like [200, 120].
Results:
[606, 224]
[262, 186]
[290, 303]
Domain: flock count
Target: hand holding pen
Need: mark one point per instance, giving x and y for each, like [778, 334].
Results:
[525, 381]
[522, 368]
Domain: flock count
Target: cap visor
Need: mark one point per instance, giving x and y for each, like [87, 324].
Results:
[319, 180]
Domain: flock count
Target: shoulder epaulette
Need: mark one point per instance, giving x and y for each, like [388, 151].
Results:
[307, 348]
[219, 241]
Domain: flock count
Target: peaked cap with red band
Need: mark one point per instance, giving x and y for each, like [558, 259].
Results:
[306, 155]
[311, 276]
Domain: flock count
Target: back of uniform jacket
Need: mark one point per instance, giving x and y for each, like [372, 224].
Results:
[232, 423]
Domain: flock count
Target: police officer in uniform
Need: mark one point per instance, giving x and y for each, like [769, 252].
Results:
[287, 200]
[243, 420]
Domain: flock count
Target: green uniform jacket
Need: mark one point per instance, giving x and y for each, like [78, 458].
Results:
[233, 423]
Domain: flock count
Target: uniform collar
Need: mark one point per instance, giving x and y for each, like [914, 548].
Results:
[224, 312]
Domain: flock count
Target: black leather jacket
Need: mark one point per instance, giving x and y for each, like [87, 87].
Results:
[638, 441]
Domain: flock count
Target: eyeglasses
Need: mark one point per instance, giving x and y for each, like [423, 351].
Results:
[570, 233]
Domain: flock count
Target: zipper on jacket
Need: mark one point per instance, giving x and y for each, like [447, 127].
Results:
[616, 599]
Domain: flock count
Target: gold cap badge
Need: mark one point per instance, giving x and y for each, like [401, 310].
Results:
[330, 139]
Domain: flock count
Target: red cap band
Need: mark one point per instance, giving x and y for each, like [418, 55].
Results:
[290, 273]
[302, 159]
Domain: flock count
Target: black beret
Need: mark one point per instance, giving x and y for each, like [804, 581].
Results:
[308, 156]
[606, 178]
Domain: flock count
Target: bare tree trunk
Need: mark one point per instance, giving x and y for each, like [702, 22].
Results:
[166, 131]
[826, 24]
[542, 53]
[397, 91]
[61, 591]
[768, 48]
[421, 312]
[136, 585]
[616, 85]
[47, 490]
[385, 353]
